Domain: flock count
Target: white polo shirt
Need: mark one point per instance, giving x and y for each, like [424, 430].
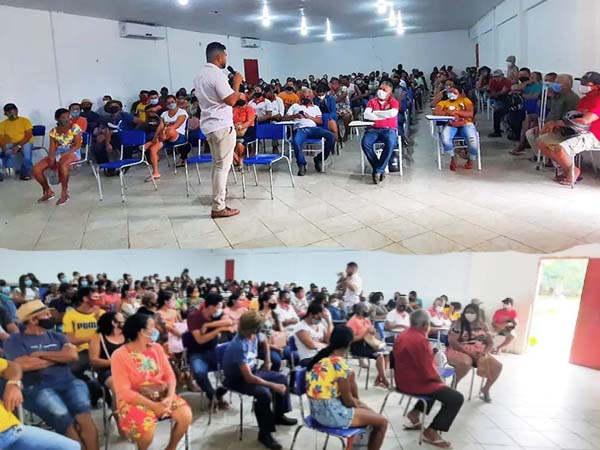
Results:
[277, 107]
[261, 108]
[311, 110]
[212, 86]
[352, 298]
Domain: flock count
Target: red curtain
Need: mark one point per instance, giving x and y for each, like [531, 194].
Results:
[584, 351]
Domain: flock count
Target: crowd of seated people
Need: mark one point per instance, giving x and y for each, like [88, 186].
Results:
[127, 338]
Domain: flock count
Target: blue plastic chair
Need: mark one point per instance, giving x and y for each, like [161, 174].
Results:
[221, 349]
[128, 139]
[39, 131]
[269, 131]
[379, 326]
[85, 149]
[170, 146]
[319, 142]
[200, 158]
[345, 435]
[293, 351]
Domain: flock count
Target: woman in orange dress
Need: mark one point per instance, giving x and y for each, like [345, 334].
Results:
[145, 385]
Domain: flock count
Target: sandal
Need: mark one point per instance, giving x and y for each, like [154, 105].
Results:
[150, 178]
[62, 200]
[411, 426]
[516, 152]
[440, 443]
[485, 397]
[46, 197]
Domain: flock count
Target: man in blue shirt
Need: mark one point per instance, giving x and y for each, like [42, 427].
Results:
[50, 389]
[267, 388]
[108, 142]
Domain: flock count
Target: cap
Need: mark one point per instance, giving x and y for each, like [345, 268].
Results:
[511, 59]
[31, 309]
[590, 77]
[85, 100]
[9, 106]
[476, 301]
[497, 73]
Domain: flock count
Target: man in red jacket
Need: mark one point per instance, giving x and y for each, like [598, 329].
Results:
[415, 374]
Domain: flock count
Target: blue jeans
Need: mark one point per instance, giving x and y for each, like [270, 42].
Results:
[27, 164]
[468, 132]
[277, 357]
[302, 134]
[58, 406]
[401, 122]
[202, 364]
[23, 437]
[388, 137]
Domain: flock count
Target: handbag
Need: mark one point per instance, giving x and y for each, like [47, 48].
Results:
[154, 391]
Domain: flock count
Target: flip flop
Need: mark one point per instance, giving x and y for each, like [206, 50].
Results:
[409, 426]
[149, 179]
[46, 198]
[440, 443]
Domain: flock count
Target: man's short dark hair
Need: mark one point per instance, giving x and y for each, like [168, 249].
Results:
[321, 88]
[525, 69]
[74, 104]
[352, 264]
[152, 92]
[212, 299]
[333, 79]
[144, 91]
[386, 83]
[213, 50]
[9, 107]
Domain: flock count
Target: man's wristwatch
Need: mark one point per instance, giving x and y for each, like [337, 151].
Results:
[16, 383]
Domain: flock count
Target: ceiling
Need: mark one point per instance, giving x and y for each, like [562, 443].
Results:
[350, 19]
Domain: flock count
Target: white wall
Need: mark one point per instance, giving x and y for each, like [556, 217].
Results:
[544, 35]
[419, 50]
[462, 276]
[62, 58]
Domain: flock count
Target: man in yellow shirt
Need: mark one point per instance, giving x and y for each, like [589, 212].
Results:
[16, 136]
[14, 435]
[460, 107]
[288, 95]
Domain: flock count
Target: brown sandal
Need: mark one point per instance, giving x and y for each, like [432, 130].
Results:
[46, 197]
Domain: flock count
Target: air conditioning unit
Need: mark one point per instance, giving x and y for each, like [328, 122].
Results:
[141, 31]
[248, 42]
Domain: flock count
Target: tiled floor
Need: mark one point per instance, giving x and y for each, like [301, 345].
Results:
[507, 206]
[536, 405]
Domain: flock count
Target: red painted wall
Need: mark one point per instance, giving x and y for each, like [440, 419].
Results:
[584, 351]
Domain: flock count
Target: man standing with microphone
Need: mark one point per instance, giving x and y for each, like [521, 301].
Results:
[216, 99]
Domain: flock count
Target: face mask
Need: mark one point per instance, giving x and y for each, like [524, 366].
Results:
[75, 114]
[584, 90]
[556, 87]
[402, 308]
[257, 95]
[506, 306]
[28, 283]
[154, 101]
[452, 96]
[6, 290]
[321, 97]
[240, 103]
[316, 321]
[273, 305]
[218, 314]
[289, 89]
[84, 283]
[305, 101]
[439, 308]
[470, 317]
[46, 324]
[172, 106]
[155, 335]
[12, 117]
[381, 94]
[113, 109]
[63, 123]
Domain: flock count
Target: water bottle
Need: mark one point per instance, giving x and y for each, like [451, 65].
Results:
[52, 176]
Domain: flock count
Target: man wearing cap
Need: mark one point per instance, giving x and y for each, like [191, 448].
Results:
[50, 390]
[269, 389]
[561, 143]
[505, 322]
[499, 87]
[512, 71]
[93, 118]
[16, 136]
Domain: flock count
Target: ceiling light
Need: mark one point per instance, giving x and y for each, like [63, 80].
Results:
[382, 6]
[303, 26]
[399, 24]
[328, 33]
[392, 18]
[266, 17]
[183, 2]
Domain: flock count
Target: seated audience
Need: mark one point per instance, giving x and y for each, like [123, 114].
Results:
[277, 107]
[50, 390]
[455, 311]
[145, 386]
[308, 121]
[261, 105]
[470, 346]
[269, 388]
[129, 303]
[377, 309]
[244, 117]
[236, 306]
[108, 338]
[504, 322]
[77, 118]
[65, 149]
[6, 301]
[16, 136]
[383, 111]
[461, 108]
[415, 373]
[168, 319]
[288, 96]
[205, 326]
[93, 118]
[299, 302]
[110, 299]
[108, 143]
[414, 301]
[397, 320]
[311, 334]
[272, 331]
[171, 129]
[149, 304]
[498, 88]
[561, 143]
[366, 345]
[336, 308]
[439, 319]
[333, 393]
[340, 91]
[327, 105]
[14, 435]
[287, 316]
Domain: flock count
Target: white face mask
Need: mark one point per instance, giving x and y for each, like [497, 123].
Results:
[452, 96]
[584, 90]
[381, 94]
[471, 317]
[439, 308]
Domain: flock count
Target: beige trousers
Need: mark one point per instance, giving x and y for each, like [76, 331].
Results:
[222, 145]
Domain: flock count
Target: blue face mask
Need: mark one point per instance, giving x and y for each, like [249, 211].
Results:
[6, 290]
[154, 101]
[63, 280]
[155, 335]
[218, 314]
[28, 283]
[556, 87]
[75, 114]
[84, 283]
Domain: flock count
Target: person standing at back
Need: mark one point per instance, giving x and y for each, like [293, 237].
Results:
[216, 99]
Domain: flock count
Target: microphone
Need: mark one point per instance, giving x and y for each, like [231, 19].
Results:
[231, 70]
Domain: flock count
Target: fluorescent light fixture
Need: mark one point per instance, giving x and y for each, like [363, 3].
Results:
[266, 17]
[328, 33]
[399, 25]
[382, 6]
[303, 26]
[392, 18]
[183, 2]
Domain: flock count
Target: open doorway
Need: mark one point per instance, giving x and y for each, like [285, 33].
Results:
[555, 308]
